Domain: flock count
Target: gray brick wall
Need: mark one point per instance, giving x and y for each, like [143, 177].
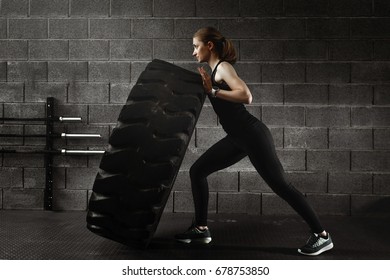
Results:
[319, 72]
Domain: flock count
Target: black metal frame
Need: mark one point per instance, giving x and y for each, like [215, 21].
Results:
[48, 195]
[49, 152]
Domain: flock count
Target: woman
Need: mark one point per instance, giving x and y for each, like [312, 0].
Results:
[246, 136]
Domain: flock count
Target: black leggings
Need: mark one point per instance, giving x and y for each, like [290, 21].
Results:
[257, 144]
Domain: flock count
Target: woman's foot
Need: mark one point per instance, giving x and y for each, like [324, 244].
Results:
[195, 234]
[316, 245]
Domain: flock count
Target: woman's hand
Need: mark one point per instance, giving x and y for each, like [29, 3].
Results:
[207, 84]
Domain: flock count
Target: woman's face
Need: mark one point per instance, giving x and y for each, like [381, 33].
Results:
[201, 50]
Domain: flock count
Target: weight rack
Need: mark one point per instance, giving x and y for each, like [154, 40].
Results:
[49, 152]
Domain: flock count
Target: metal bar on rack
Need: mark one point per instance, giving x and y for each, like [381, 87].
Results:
[82, 152]
[55, 135]
[54, 152]
[80, 135]
[52, 118]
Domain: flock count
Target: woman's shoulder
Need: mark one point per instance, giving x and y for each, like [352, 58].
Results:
[225, 68]
[224, 72]
[225, 64]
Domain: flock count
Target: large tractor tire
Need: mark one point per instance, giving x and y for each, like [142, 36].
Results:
[146, 148]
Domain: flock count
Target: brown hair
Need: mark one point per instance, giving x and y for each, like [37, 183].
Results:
[224, 47]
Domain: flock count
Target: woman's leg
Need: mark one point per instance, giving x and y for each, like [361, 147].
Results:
[261, 151]
[221, 155]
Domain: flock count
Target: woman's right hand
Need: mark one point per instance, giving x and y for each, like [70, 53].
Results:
[207, 84]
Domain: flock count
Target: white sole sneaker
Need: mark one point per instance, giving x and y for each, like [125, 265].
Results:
[326, 248]
[205, 240]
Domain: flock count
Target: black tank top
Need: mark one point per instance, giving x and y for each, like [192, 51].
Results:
[233, 116]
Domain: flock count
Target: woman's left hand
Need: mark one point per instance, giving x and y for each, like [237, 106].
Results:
[207, 84]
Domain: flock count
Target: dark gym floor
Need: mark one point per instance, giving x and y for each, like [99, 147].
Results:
[63, 235]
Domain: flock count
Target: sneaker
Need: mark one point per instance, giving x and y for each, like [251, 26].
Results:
[316, 245]
[193, 234]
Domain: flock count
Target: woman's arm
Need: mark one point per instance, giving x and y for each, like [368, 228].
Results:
[239, 92]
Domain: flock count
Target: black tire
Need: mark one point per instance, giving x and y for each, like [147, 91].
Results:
[145, 152]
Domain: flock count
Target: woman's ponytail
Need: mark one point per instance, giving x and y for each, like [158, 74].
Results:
[228, 52]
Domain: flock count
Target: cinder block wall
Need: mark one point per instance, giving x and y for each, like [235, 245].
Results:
[319, 72]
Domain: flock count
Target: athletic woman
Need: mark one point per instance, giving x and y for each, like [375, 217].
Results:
[246, 136]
